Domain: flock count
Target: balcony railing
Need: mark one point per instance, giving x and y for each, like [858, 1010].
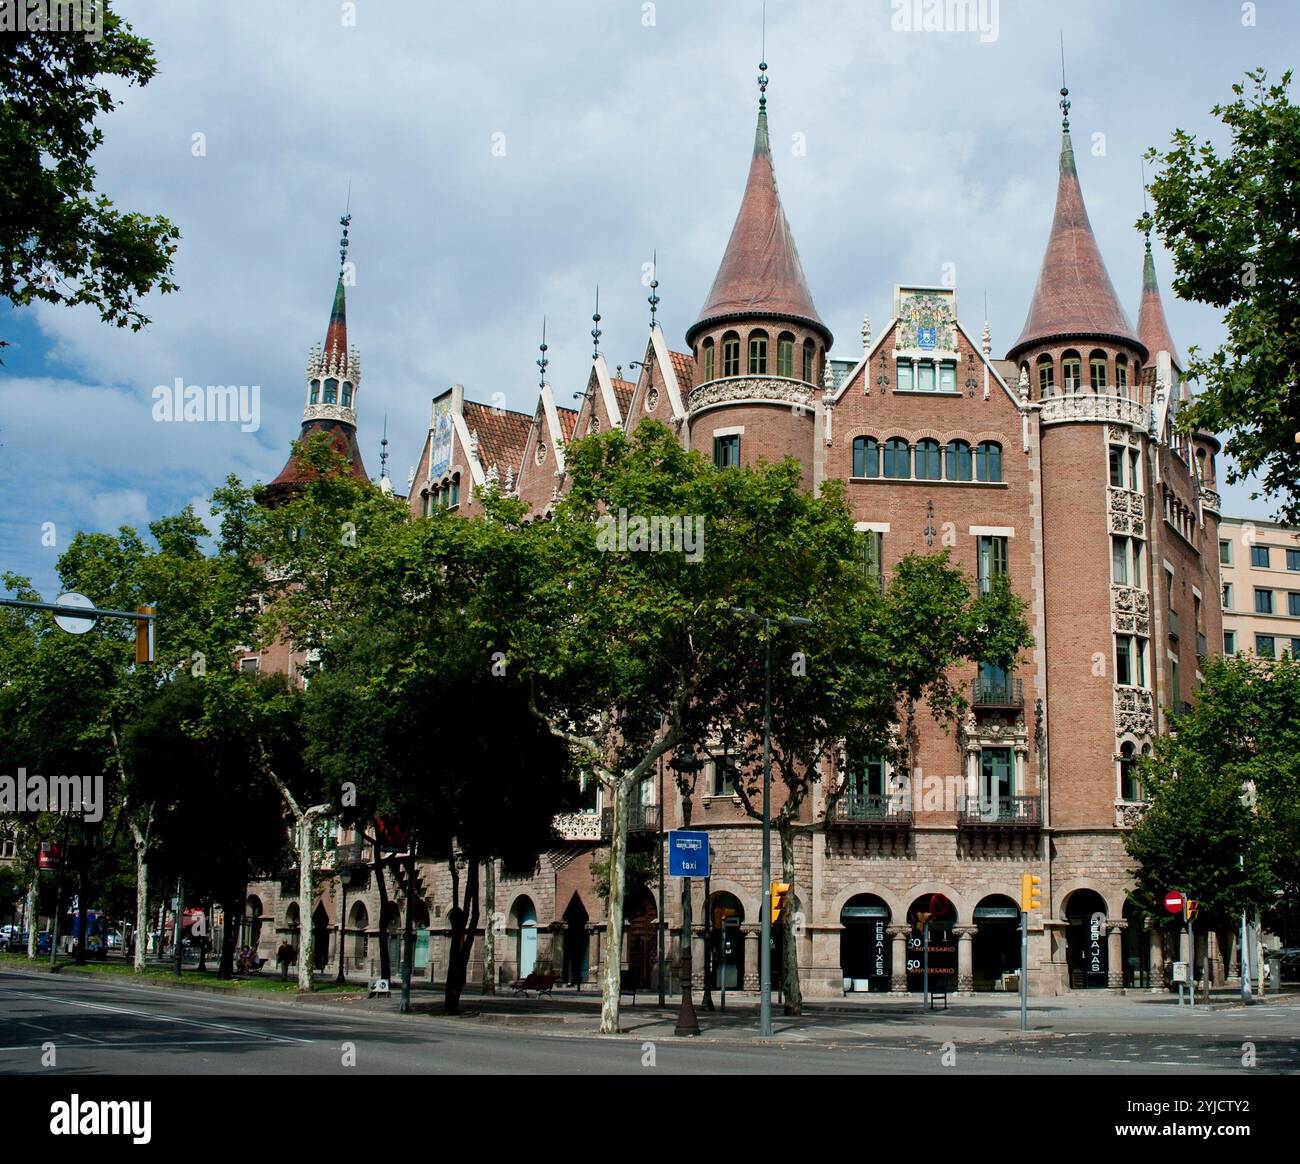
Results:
[1202, 648]
[353, 853]
[578, 826]
[871, 811]
[1171, 617]
[997, 693]
[1003, 812]
[642, 818]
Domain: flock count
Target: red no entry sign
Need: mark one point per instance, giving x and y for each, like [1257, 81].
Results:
[1174, 901]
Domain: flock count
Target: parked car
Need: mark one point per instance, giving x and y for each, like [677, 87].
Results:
[12, 939]
[1289, 964]
[115, 939]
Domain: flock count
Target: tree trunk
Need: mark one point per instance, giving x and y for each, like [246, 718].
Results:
[464, 925]
[489, 930]
[611, 971]
[381, 888]
[141, 899]
[790, 991]
[33, 922]
[408, 934]
[82, 936]
[305, 889]
[230, 932]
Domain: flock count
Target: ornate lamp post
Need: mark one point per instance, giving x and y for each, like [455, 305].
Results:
[687, 1023]
[345, 879]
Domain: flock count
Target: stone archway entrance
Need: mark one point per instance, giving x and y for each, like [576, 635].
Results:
[941, 953]
[577, 942]
[865, 946]
[995, 947]
[642, 948]
[1086, 952]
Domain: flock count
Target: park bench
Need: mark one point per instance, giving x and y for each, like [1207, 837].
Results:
[541, 983]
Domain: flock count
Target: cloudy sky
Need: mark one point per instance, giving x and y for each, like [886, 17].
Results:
[505, 157]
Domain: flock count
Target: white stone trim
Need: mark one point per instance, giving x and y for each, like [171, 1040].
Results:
[993, 531]
[871, 527]
[553, 424]
[865, 362]
[1168, 565]
[734, 430]
[665, 361]
[607, 392]
[462, 434]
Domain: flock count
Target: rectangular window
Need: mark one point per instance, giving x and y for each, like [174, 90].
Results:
[997, 780]
[1259, 556]
[708, 362]
[1070, 373]
[873, 556]
[720, 775]
[1293, 604]
[1139, 662]
[1295, 648]
[726, 451]
[1175, 698]
[1293, 559]
[1117, 466]
[1123, 660]
[1263, 601]
[867, 778]
[1119, 561]
[1137, 563]
[1229, 642]
[1227, 596]
[1225, 551]
[758, 355]
[785, 357]
[992, 560]
[947, 378]
[1046, 378]
[904, 376]
[1097, 370]
[1134, 464]
[250, 664]
[731, 357]
[925, 377]
[1265, 646]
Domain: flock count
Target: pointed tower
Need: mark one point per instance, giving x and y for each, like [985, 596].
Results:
[1153, 329]
[759, 345]
[333, 379]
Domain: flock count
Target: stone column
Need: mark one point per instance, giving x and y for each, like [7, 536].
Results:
[752, 968]
[898, 959]
[965, 947]
[1157, 958]
[1115, 928]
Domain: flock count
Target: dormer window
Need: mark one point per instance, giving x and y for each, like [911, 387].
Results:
[758, 353]
[331, 391]
[314, 397]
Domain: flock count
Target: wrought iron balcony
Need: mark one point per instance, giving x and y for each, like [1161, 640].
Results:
[1171, 620]
[353, 853]
[642, 818]
[871, 812]
[1202, 648]
[998, 693]
[1003, 812]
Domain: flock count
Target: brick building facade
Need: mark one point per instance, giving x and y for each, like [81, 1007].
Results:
[1057, 465]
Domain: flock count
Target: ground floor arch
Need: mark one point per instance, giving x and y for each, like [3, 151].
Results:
[640, 916]
[1137, 946]
[523, 914]
[995, 945]
[726, 965]
[932, 943]
[865, 946]
[1086, 953]
[359, 925]
[577, 942]
[320, 940]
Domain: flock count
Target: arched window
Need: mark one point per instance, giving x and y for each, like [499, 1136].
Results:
[1071, 371]
[1097, 371]
[731, 354]
[1121, 371]
[785, 354]
[426, 499]
[866, 457]
[708, 359]
[315, 392]
[928, 464]
[758, 353]
[988, 461]
[1046, 376]
[347, 393]
[331, 391]
[455, 490]
[959, 461]
[898, 459]
[808, 360]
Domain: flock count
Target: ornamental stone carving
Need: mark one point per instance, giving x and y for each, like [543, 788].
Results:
[1210, 500]
[751, 390]
[330, 412]
[1130, 610]
[578, 826]
[1085, 406]
[1127, 814]
[1126, 510]
[1134, 711]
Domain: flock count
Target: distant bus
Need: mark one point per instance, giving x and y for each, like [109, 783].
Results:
[96, 930]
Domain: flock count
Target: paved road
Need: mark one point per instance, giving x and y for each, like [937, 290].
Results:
[111, 1029]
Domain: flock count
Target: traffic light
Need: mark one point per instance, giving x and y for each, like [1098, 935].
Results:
[144, 635]
[1189, 909]
[1029, 892]
[780, 896]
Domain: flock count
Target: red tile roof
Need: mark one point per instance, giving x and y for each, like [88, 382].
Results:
[623, 390]
[683, 369]
[501, 435]
[1074, 295]
[343, 439]
[1153, 328]
[568, 421]
[760, 272]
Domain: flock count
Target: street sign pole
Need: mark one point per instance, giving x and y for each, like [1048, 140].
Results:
[1024, 969]
[765, 917]
[688, 856]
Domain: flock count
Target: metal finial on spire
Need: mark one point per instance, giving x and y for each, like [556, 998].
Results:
[653, 298]
[383, 451]
[1147, 222]
[345, 222]
[595, 331]
[762, 66]
[1065, 92]
[543, 361]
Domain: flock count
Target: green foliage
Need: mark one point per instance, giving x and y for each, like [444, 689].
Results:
[60, 241]
[1229, 219]
[1243, 733]
[639, 870]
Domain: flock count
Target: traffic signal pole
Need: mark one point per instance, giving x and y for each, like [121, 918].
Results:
[1024, 971]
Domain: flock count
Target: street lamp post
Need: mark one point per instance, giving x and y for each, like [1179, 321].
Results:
[765, 913]
[707, 1002]
[687, 1021]
[345, 878]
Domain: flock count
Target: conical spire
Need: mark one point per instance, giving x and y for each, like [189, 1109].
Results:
[760, 273]
[336, 334]
[1074, 295]
[1153, 329]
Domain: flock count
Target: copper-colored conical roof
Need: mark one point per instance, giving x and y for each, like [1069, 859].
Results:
[336, 334]
[760, 274]
[1153, 328]
[1074, 295]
